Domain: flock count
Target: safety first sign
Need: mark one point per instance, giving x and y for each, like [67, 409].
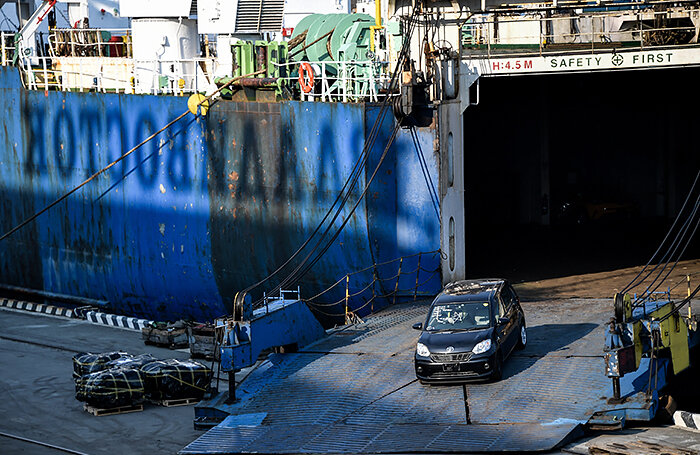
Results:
[584, 62]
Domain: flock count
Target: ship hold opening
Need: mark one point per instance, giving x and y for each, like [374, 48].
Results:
[573, 174]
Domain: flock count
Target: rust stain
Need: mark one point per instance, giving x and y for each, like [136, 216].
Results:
[230, 186]
[233, 176]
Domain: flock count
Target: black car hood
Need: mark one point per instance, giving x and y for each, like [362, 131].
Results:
[437, 342]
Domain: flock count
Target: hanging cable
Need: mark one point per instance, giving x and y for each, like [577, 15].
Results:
[632, 284]
[346, 191]
[110, 165]
[426, 174]
[678, 257]
[298, 273]
[681, 304]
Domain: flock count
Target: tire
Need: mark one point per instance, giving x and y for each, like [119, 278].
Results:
[497, 373]
[522, 337]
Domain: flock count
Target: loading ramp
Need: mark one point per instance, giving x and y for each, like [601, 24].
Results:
[355, 391]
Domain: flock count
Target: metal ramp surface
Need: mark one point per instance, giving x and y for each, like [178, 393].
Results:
[355, 392]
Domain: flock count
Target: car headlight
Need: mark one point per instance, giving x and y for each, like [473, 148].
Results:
[422, 350]
[482, 347]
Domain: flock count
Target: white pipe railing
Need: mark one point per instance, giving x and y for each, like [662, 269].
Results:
[120, 75]
[346, 81]
[341, 80]
[536, 34]
[7, 48]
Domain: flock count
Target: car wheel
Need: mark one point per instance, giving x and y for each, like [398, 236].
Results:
[522, 338]
[497, 372]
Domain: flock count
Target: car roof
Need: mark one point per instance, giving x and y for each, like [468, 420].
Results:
[468, 290]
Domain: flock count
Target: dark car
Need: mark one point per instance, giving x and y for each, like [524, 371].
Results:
[471, 328]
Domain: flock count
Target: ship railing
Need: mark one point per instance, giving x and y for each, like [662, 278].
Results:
[75, 42]
[7, 48]
[119, 75]
[399, 280]
[342, 81]
[535, 34]
[174, 77]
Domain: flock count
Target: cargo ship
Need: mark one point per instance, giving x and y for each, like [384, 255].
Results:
[216, 202]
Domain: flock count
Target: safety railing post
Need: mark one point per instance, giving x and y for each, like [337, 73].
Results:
[415, 289]
[80, 74]
[398, 278]
[690, 313]
[347, 296]
[46, 74]
[374, 292]
[344, 83]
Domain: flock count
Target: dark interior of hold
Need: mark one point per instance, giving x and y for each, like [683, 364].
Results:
[572, 174]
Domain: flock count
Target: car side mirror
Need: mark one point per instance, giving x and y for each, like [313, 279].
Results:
[503, 321]
[418, 326]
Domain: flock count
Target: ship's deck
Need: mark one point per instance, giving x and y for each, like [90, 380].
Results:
[355, 391]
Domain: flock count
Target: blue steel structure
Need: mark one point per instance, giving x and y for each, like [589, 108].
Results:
[208, 207]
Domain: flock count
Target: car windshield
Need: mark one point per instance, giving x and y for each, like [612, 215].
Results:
[459, 316]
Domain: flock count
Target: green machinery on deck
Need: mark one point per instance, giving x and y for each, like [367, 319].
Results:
[339, 47]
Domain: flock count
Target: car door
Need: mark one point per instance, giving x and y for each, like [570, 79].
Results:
[504, 330]
[508, 298]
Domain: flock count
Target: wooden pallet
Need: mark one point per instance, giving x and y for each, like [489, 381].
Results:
[112, 411]
[177, 402]
[180, 345]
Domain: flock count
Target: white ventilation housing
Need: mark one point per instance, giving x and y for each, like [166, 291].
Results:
[255, 16]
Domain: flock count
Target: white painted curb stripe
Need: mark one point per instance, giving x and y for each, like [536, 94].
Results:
[124, 322]
[36, 307]
[686, 419]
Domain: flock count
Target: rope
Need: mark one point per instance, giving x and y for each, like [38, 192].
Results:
[676, 262]
[328, 289]
[347, 218]
[683, 281]
[311, 43]
[297, 40]
[426, 174]
[110, 165]
[676, 243]
[682, 303]
[397, 292]
[363, 289]
[343, 195]
[631, 285]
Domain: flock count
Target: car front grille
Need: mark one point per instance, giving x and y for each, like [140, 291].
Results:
[459, 357]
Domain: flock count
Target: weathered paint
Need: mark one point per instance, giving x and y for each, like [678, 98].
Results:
[207, 208]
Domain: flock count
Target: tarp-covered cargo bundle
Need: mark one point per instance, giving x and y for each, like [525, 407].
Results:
[164, 334]
[86, 362]
[111, 388]
[175, 379]
[130, 361]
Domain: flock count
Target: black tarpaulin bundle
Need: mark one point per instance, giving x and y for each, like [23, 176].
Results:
[111, 388]
[87, 362]
[130, 361]
[175, 379]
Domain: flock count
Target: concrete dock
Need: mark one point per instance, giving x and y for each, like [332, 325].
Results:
[352, 392]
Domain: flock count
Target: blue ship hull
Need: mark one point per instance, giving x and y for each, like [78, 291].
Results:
[207, 208]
